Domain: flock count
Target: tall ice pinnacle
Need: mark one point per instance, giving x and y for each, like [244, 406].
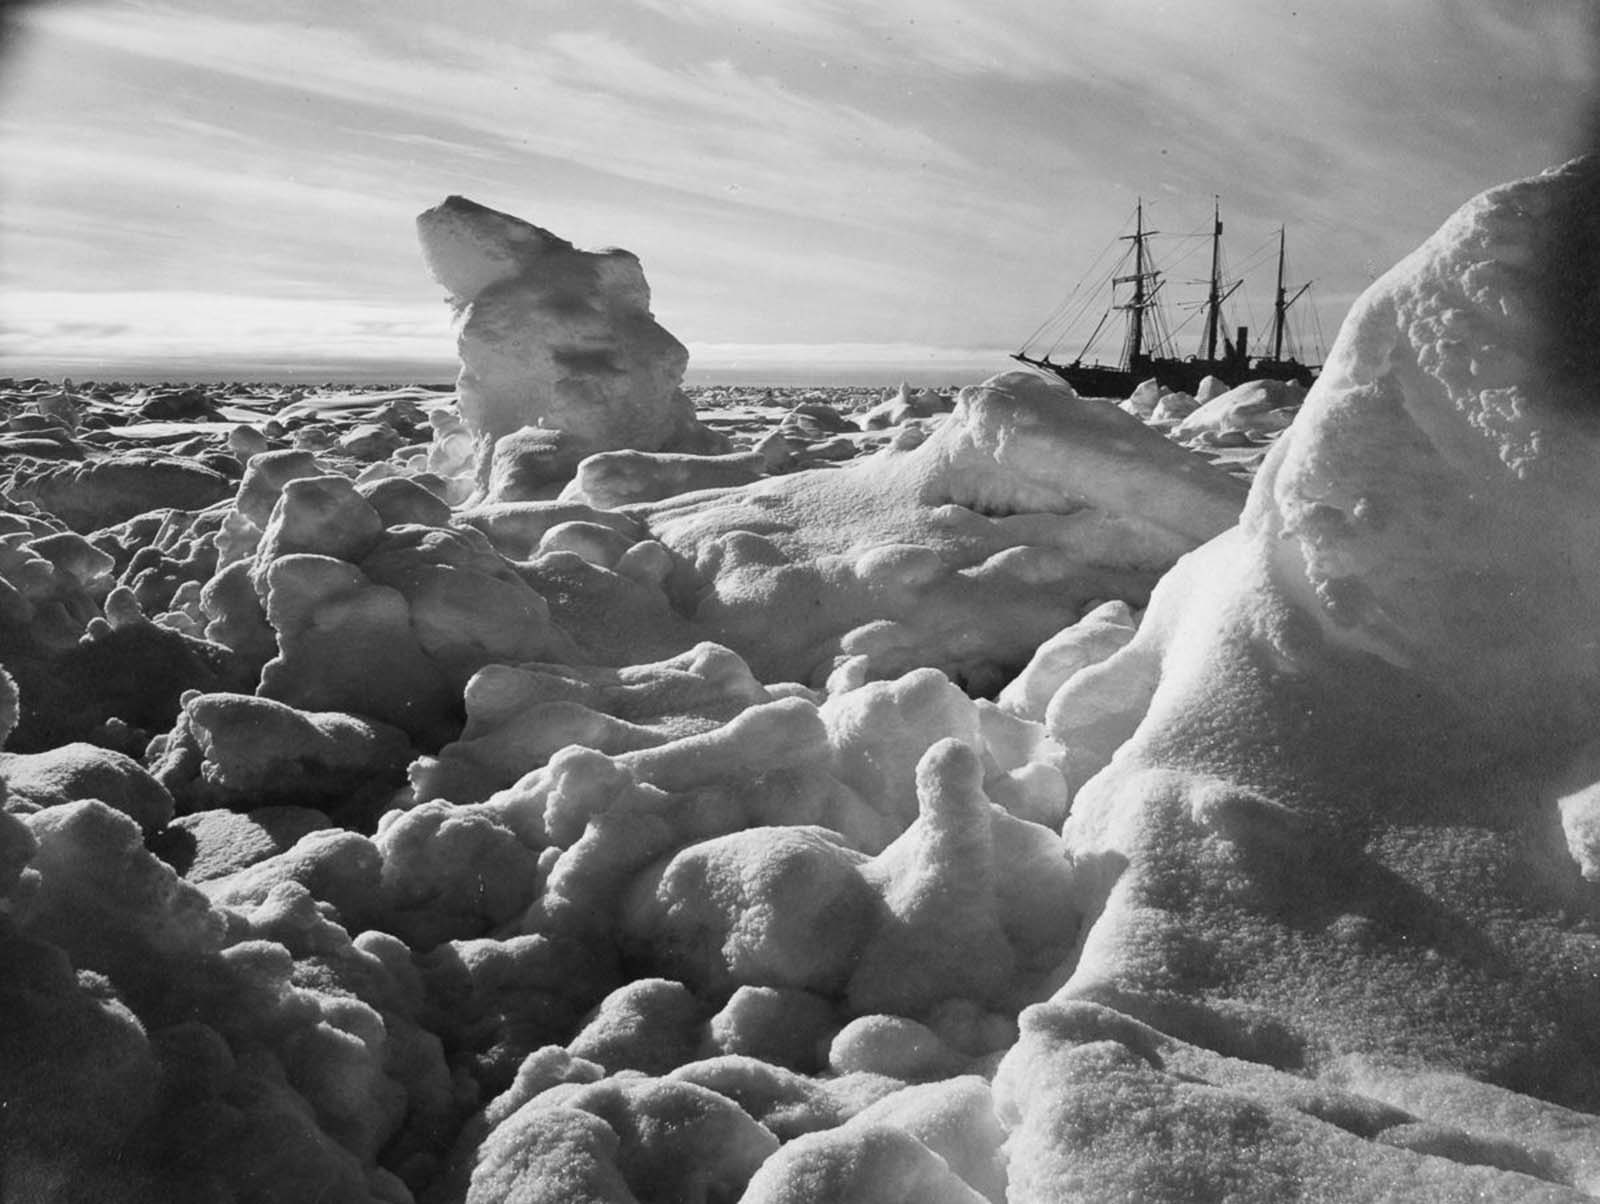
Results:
[555, 339]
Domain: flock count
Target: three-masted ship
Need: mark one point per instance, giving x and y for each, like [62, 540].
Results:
[1143, 355]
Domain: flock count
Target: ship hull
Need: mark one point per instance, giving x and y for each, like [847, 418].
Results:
[1183, 376]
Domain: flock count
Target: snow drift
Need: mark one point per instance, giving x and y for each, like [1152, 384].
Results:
[1334, 844]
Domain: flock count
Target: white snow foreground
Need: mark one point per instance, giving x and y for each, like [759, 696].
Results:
[711, 884]
[1342, 861]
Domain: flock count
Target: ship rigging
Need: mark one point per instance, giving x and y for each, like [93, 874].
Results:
[1146, 349]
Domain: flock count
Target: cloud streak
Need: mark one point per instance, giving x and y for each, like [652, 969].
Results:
[811, 172]
[581, 96]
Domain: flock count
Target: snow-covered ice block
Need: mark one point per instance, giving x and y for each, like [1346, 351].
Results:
[556, 338]
[518, 716]
[620, 478]
[71, 772]
[1329, 824]
[964, 551]
[872, 1164]
[1257, 408]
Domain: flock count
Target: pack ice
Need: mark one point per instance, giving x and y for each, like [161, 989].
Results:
[544, 798]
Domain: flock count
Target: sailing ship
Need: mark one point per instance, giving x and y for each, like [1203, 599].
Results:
[1145, 352]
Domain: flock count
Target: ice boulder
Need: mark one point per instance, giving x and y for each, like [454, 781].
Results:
[98, 493]
[520, 716]
[77, 771]
[157, 1047]
[651, 1025]
[1087, 642]
[780, 1026]
[265, 477]
[236, 750]
[956, 1120]
[673, 1140]
[51, 586]
[909, 403]
[385, 622]
[940, 934]
[964, 551]
[119, 680]
[1334, 854]
[875, 1164]
[1257, 409]
[947, 912]
[612, 479]
[1141, 403]
[214, 844]
[780, 907]
[1172, 408]
[557, 339]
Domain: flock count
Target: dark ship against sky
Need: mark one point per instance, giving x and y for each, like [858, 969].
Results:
[1146, 350]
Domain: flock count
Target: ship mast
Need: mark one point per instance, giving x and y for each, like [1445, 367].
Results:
[1280, 307]
[1213, 295]
[1143, 298]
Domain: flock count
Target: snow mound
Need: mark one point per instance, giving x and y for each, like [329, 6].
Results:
[908, 403]
[1257, 408]
[1330, 852]
[963, 551]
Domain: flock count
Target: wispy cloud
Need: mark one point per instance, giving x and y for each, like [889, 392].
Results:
[583, 96]
[50, 152]
[579, 118]
[809, 172]
[808, 20]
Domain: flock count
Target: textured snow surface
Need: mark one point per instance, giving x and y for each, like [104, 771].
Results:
[1331, 844]
[437, 814]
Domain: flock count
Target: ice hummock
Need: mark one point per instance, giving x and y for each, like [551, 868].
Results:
[554, 341]
[454, 907]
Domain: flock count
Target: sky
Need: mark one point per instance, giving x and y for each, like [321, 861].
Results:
[820, 191]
